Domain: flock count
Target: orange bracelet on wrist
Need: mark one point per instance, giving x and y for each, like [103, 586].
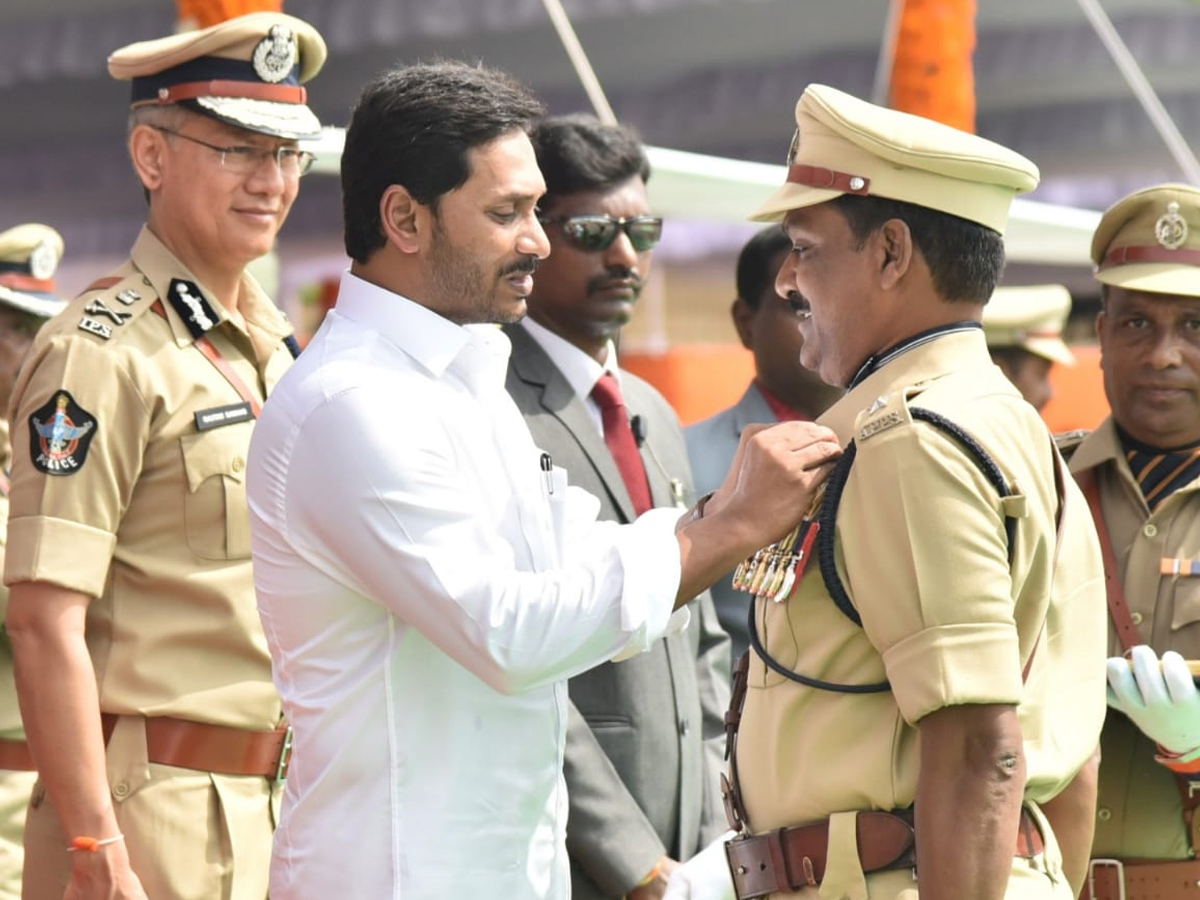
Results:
[85, 844]
[654, 873]
[1172, 761]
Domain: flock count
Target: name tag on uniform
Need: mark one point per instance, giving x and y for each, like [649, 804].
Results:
[217, 416]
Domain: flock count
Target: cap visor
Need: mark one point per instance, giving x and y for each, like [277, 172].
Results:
[788, 197]
[44, 305]
[285, 120]
[1155, 278]
[1052, 349]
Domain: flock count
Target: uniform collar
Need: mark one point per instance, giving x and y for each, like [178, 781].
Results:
[921, 358]
[882, 358]
[160, 267]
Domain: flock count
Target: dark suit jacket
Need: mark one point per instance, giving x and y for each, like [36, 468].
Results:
[711, 447]
[644, 740]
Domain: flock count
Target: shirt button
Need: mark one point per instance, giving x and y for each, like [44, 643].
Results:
[121, 788]
[1150, 530]
[685, 727]
[238, 464]
[1135, 618]
[1103, 814]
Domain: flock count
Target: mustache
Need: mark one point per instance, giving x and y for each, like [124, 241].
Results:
[526, 265]
[797, 302]
[601, 282]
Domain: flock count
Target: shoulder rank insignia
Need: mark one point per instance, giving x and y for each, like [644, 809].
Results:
[59, 435]
[189, 302]
[1068, 441]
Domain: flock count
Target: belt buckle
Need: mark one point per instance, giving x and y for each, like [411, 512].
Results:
[1095, 864]
[285, 756]
[749, 884]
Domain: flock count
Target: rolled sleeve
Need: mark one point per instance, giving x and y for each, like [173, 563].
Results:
[952, 666]
[68, 554]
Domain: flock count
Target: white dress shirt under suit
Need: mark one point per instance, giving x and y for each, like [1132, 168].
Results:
[426, 588]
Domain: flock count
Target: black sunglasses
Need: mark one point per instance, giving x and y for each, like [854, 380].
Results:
[595, 233]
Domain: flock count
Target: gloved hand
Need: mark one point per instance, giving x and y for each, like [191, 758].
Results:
[1162, 701]
[705, 876]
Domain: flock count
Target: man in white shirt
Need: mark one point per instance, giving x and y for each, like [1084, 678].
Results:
[426, 579]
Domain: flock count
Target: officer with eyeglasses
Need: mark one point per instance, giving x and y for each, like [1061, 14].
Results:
[142, 668]
[643, 755]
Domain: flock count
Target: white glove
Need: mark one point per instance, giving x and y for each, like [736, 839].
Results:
[1162, 701]
[705, 876]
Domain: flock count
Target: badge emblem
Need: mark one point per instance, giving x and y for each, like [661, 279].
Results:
[59, 435]
[43, 261]
[276, 54]
[1171, 229]
[794, 148]
[189, 302]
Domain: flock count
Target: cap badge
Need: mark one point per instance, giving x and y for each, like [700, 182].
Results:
[275, 56]
[1171, 229]
[794, 148]
[43, 261]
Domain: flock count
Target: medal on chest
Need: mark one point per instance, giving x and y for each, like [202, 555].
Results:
[773, 571]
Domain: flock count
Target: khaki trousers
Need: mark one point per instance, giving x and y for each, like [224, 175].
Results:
[15, 788]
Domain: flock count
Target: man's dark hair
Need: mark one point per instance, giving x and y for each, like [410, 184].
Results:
[413, 126]
[965, 258]
[580, 153]
[754, 270]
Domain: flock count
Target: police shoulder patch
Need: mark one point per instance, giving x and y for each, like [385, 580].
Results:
[887, 411]
[60, 433]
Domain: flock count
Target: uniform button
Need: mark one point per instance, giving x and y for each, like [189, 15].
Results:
[1103, 814]
[684, 727]
[121, 788]
[1150, 530]
[1135, 618]
[238, 464]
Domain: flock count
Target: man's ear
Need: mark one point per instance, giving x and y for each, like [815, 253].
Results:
[895, 252]
[404, 220]
[148, 152]
[743, 321]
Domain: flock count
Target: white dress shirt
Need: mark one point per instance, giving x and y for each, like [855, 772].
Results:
[581, 371]
[426, 588]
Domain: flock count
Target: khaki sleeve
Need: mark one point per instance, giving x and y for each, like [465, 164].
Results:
[79, 429]
[926, 559]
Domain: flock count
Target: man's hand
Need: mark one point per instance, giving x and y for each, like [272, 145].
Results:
[774, 477]
[1161, 700]
[654, 888]
[103, 875]
[705, 876]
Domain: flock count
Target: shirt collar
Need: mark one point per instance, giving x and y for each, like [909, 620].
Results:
[882, 358]
[159, 266]
[581, 370]
[432, 340]
[920, 359]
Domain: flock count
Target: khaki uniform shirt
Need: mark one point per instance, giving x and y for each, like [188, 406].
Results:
[921, 549]
[10, 715]
[146, 511]
[1139, 811]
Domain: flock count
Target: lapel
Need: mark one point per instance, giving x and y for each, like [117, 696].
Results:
[535, 368]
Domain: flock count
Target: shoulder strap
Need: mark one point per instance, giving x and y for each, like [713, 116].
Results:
[1118, 608]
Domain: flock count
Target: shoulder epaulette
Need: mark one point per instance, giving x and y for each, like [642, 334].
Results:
[1068, 441]
[110, 303]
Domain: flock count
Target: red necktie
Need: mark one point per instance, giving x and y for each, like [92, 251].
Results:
[621, 444]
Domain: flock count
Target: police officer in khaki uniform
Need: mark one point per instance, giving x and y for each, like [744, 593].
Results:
[942, 646]
[132, 610]
[1141, 473]
[1023, 327]
[29, 255]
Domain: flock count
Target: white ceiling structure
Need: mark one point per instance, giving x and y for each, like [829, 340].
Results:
[715, 77]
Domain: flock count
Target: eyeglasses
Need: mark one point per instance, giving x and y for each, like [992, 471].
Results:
[595, 233]
[292, 161]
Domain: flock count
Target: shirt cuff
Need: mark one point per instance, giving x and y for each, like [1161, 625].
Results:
[954, 665]
[68, 554]
[651, 570]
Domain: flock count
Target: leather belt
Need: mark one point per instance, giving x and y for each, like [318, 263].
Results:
[789, 859]
[1146, 879]
[192, 745]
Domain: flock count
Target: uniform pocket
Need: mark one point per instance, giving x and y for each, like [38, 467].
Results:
[215, 512]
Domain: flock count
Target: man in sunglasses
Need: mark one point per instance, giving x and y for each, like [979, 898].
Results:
[643, 754]
[142, 669]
